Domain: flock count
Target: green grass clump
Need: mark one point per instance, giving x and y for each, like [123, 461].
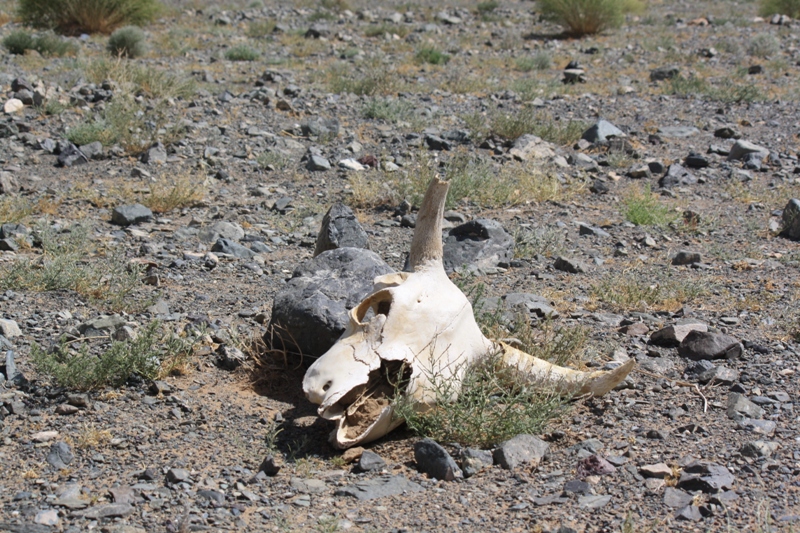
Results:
[644, 208]
[48, 45]
[432, 56]
[494, 403]
[486, 7]
[241, 53]
[128, 42]
[389, 109]
[386, 29]
[764, 45]
[530, 121]
[151, 354]
[539, 61]
[139, 79]
[260, 28]
[780, 7]
[587, 17]
[625, 292]
[373, 79]
[108, 280]
[725, 90]
[73, 17]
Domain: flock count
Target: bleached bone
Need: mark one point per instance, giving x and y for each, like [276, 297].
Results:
[421, 322]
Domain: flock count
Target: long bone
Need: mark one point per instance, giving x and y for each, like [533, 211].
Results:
[418, 321]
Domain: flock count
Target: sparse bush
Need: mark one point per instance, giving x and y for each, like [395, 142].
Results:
[386, 29]
[166, 195]
[128, 42]
[495, 402]
[624, 292]
[73, 17]
[389, 109]
[587, 17]
[273, 160]
[260, 28]
[241, 53]
[764, 45]
[374, 79]
[530, 121]
[432, 56]
[780, 7]
[140, 79]
[486, 7]
[152, 353]
[539, 61]
[46, 44]
[725, 90]
[548, 242]
[643, 208]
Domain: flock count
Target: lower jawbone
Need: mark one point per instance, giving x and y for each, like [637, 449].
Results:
[366, 413]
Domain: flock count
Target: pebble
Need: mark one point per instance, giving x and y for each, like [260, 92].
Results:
[520, 449]
[370, 461]
[126, 215]
[434, 460]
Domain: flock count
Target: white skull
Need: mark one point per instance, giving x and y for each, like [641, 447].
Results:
[422, 325]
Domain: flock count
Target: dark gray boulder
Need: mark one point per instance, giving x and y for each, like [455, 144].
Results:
[709, 345]
[791, 219]
[227, 246]
[126, 215]
[310, 313]
[601, 132]
[477, 245]
[340, 229]
[676, 175]
[434, 460]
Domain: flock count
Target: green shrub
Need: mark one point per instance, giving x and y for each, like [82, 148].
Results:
[626, 292]
[260, 28]
[389, 109]
[540, 61]
[486, 7]
[73, 17]
[586, 17]
[432, 56]
[780, 7]
[241, 53]
[530, 121]
[384, 29]
[46, 44]
[643, 208]
[128, 42]
[374, 79]
[18, 42]
[764, 45]
[151, 354]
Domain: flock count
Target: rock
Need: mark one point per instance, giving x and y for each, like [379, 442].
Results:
[718, 374]
[601, 131]
[705, 476]
[685, 257]
[340, 229]
[379, 488]
[709, 345]
[100, 325]
[370, 461]
[178, 475]
[434, 142]
[311, 312]
[727, 132]
[573, 266]
[676, 176]
[520, 449]
[476, 245]
[659, 470]
[585, 229]
[229, 357]
[351, 164]
[791, 219]
[9, 328]
[635, 329]
[741, 148]
[226, 246]
[576, 486]
[320, 127]
[318, 163]
[48, 517]
[8, 184]
[761, 427]
[664, 73]
[530, 148]
[474, 460]
[678, 132]
[92, 150]
[676, 498]
[109, 510]
[308, 486]
[532, 305]
[758, 448]
[126, 215]
[695, 160]
[657, 365]
[13, 106]
[573, 75]
[673, 335]
[740, 407]
[221, 229]
[270, 466]
[70, 156]
[434, 460]
[594, 465]
[593, 502]
[60, 455]
[156, 154]
[689, 513]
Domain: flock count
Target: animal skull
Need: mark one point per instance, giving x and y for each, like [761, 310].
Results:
[421, 322]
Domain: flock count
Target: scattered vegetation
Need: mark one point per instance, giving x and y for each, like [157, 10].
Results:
[260, 28]
[494, 403]
[432, 56]
[46, 44]
[587, 17]
[134, 79]
[538, 61]
[643, 208]
[127, 42]
[528, 120]
[725, 90]
[273, 160]
[386, 29]
[626, 292]
[73, 17]
[151, 354]
[241, 53]
[487, 7]
[388, 109]
[108, 280]
[167, 195]
[14, 208]
[780, 7]
[372, 79]
[764, 45]
[529, 243]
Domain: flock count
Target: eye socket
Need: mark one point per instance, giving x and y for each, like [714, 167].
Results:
[384, 307]
[327, 386]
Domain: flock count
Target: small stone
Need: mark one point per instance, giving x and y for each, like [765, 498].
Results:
[659, 470]
[126, 215]
[66, 409]
[520, 449]
[576, 486]
[709, 345]
[664, 73]
[759, 448]
[741, 148]
[340, 229]
[727, 132]
[570, 265]
[379, 488]
[474, 460]
[156, 154]
[740, 407]
[178, 475]
[60, 455]
[593, 502]
[48, 517]
[318, 163]
[44, 436]
[158, 388]
[686, 258]
[226, 246]
[585, 229]
[9, 328]
[676, 498]
[602, 132]
[705, 476]
[434, 460]
[351, 164]
[12, 106]
[718, 374]
[673, 335]
[635, 329]
[695, 160]
[689, 513]
[270, 466]
[370, 461]
[352, 454]
[791, 219]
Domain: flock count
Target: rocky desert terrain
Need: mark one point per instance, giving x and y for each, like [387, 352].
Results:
[152, 209]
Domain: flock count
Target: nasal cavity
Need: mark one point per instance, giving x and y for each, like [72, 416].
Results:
[384, 307]
[327, 386]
